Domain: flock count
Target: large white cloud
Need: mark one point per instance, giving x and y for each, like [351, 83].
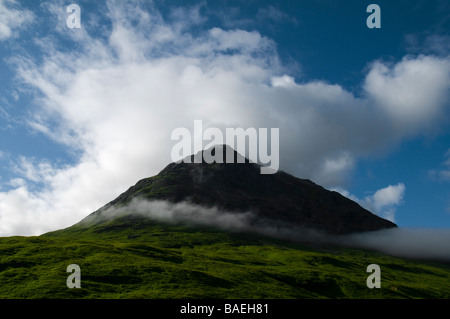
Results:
[115, 102]
[412, 92]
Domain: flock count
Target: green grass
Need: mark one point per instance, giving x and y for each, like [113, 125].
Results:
[125, 259]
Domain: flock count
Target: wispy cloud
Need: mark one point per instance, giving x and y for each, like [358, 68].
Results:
[12, 18]
[270, 13]
[443, 173]
[436, 44]
[187, 213]
[410, 243]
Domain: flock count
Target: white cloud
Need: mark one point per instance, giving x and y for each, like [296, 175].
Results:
[386, 200]
[388, 196]
[283, 81]
[383, 202]
[12, 18]
[115, 101]
[334, 170]
[413, 92]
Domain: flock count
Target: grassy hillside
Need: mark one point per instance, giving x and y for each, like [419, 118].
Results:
[125, 259]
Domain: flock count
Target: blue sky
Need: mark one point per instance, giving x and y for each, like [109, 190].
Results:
[85, 113]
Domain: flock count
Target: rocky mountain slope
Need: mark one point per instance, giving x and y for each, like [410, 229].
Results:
[239, 187]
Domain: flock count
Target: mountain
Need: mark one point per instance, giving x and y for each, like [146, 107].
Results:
[128, 255]
[278, 198]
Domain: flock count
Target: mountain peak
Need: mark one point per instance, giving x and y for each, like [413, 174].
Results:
[237, 186]
[221, 153]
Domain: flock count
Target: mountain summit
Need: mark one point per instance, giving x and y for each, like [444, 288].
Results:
[239, 187]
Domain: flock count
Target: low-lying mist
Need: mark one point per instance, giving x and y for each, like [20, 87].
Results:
[401, 242]
[422, 243]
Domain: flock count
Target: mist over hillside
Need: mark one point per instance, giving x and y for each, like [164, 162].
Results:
[401, 242]
[276, 199]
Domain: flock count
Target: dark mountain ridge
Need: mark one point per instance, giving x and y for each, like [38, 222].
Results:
[239, 187]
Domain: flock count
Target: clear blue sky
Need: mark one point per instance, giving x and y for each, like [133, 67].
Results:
[85, 113]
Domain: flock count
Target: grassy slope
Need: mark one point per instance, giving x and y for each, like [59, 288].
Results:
[118, 260]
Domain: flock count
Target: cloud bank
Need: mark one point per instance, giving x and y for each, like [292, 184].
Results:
[196, 215]
[409, 243]
[419, 243]
[174, 213]
[114, 102]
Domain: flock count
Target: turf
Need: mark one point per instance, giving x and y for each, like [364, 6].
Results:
[123, 259]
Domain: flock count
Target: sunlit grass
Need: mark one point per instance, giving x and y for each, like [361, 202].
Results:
[161, 261]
